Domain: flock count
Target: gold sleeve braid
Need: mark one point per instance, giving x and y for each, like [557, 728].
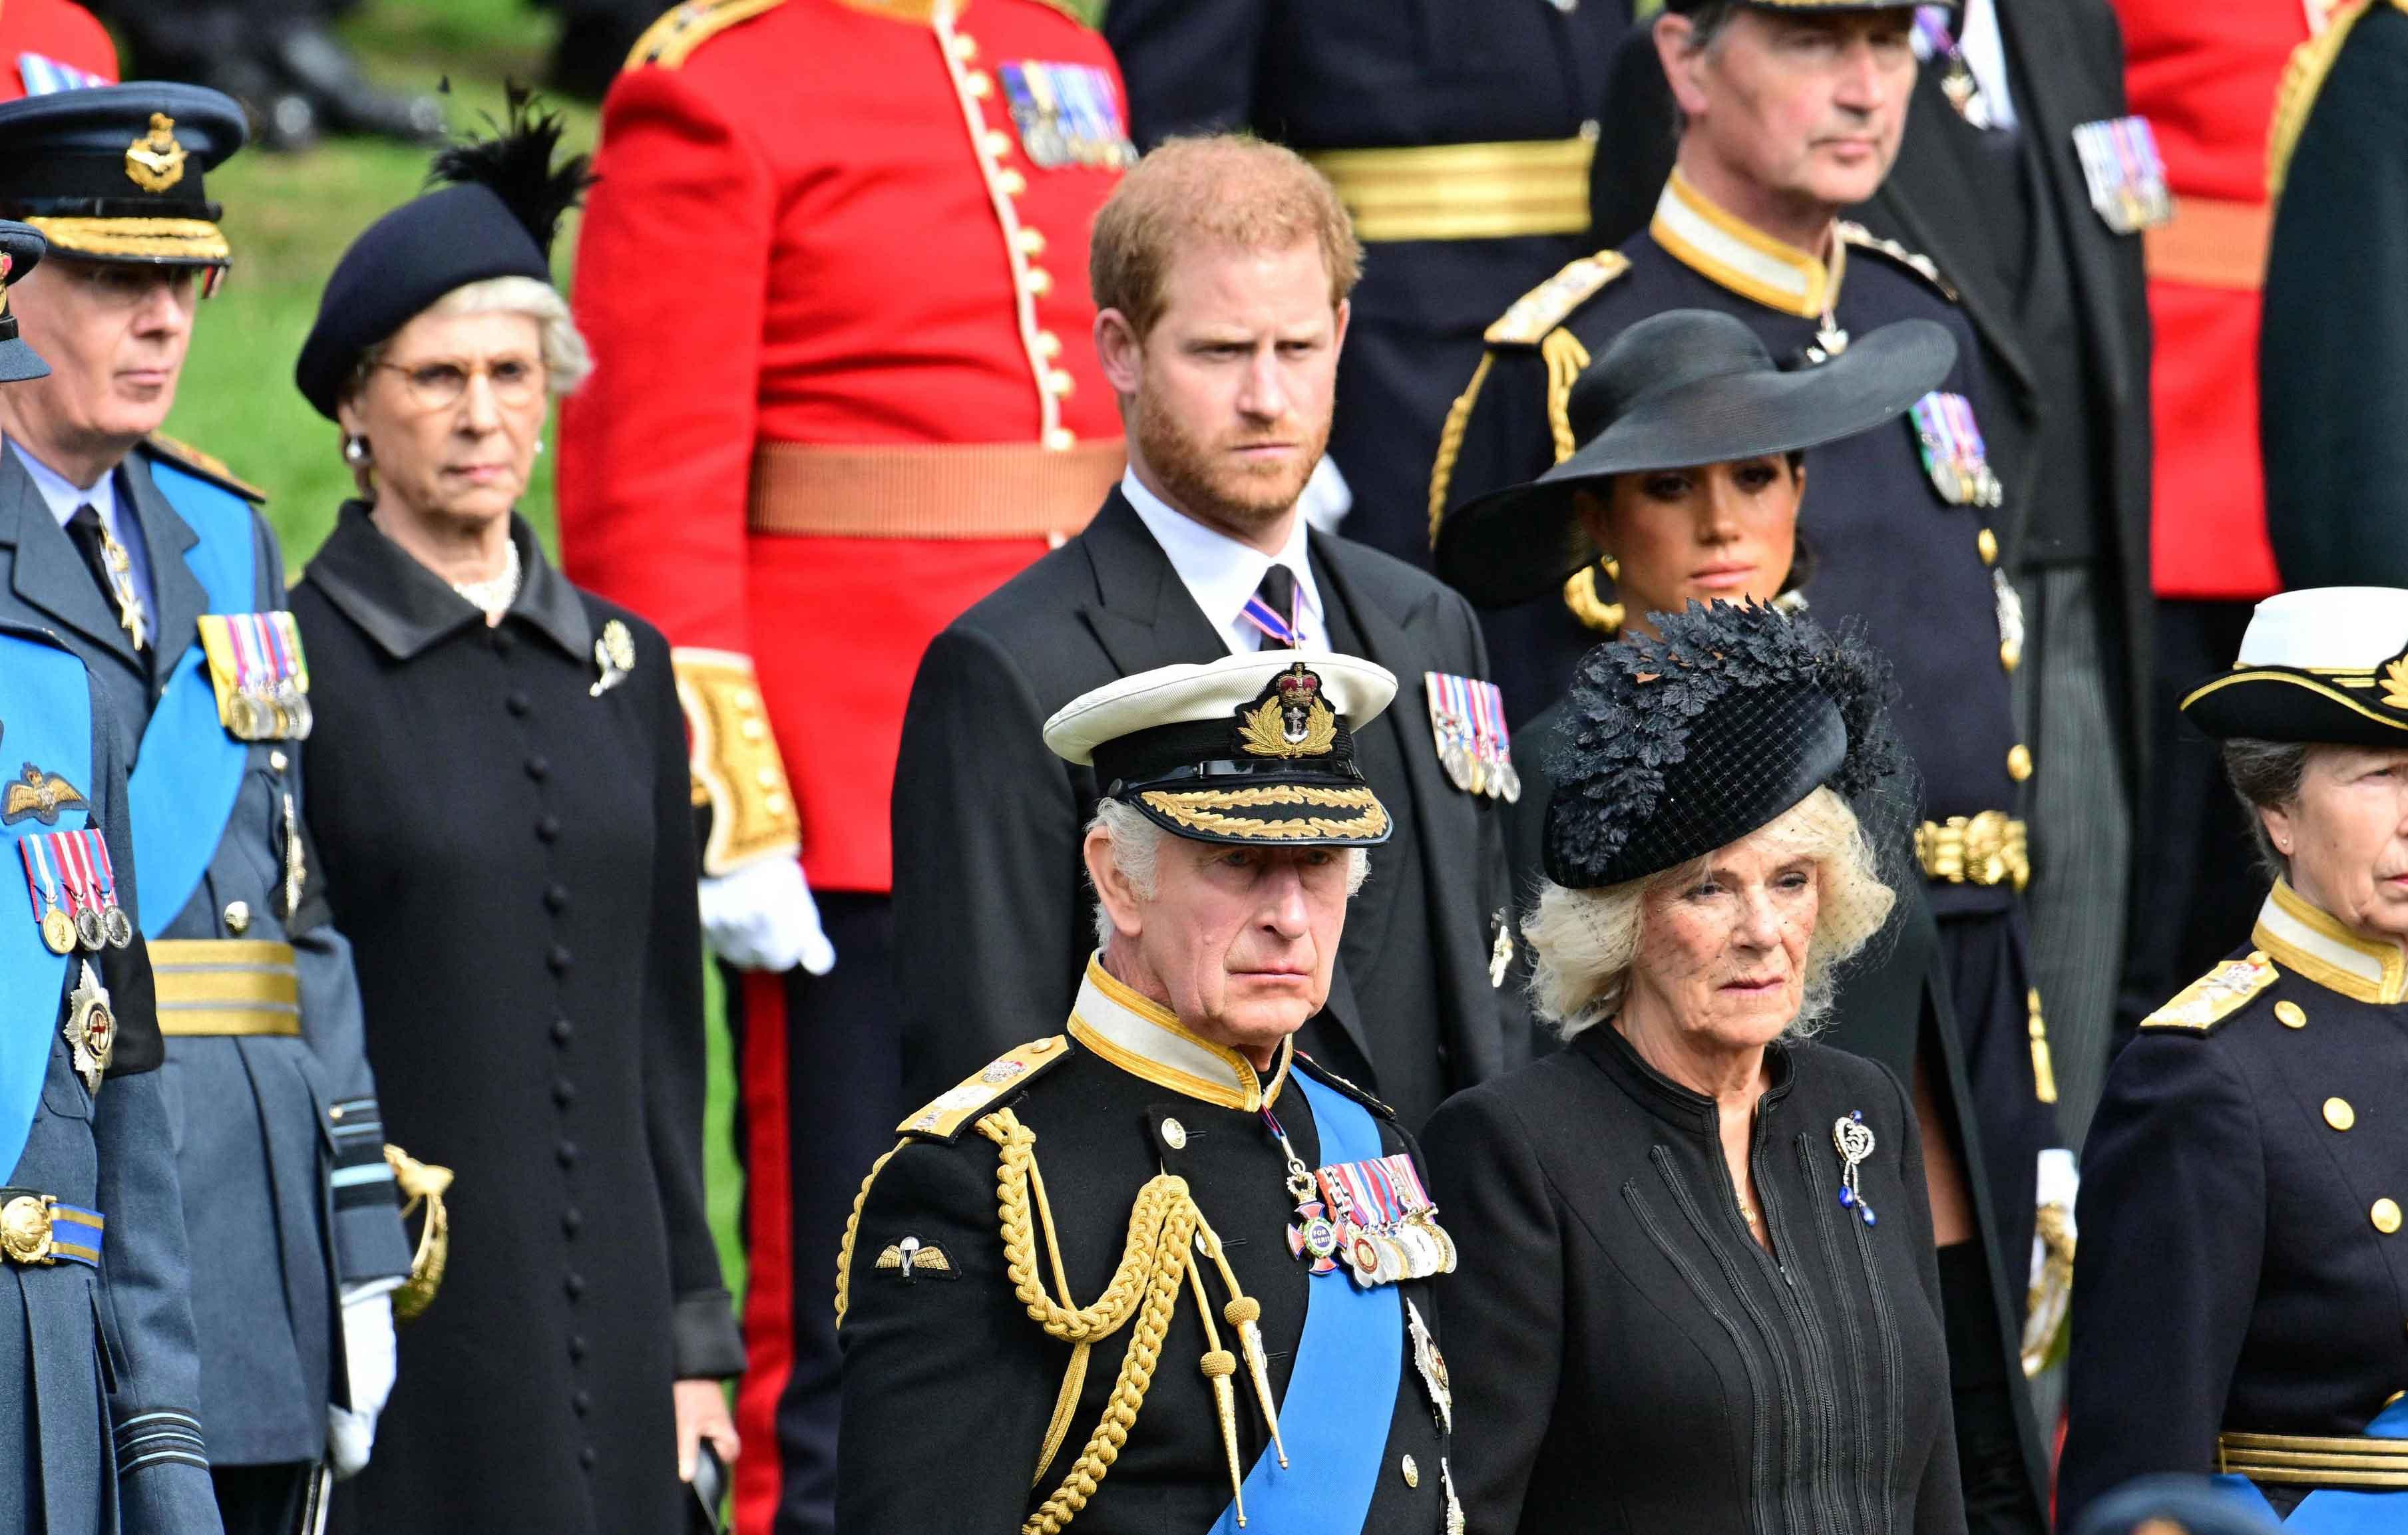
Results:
[734, 758]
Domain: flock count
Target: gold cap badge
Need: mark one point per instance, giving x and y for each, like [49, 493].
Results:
[1289, 717]
[155, 162]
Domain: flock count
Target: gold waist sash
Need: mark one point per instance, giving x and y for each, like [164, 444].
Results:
[1464, 192]
[1990, 848]
[227, 986]
[2315, 1459]
[932, 491]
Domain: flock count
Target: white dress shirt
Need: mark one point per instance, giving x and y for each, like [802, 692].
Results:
[1221, 573]
[64, 497]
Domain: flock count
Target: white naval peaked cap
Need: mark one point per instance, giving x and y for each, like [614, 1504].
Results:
[1212, 692]
[2327, 629]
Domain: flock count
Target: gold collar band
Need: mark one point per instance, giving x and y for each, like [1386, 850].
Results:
[1145, 1039]
[2298, 936]
[1724, 247]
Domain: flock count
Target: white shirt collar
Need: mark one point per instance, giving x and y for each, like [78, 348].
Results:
[1221, 573]
[62, 496]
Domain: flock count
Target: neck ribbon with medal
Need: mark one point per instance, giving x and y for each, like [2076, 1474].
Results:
[1378, 1217]
[1957, 81]
[72, 883]
[1285, 631]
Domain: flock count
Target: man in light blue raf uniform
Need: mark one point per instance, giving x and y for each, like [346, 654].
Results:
[98, 1431]
[153, 564]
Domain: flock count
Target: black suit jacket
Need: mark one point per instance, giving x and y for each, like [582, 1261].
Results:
[2065, 62]
[992, 907]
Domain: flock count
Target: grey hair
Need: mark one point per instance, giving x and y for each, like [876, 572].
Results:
[1707, 24]
[1587, 942]
[2266, 774]
[568, 362]
[1137, 852]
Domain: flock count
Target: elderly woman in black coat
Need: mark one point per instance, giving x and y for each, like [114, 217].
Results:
[499, 801]
[1697, 1289]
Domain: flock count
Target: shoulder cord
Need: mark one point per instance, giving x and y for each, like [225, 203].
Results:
[1157, 1257]
[852, 1223]
[1566, 357]
[1450, 443]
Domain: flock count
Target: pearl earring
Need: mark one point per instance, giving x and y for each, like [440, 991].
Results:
[538, 448]
[355, 450]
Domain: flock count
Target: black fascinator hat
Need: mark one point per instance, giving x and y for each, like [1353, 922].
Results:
[1687, 742]
[497, 205]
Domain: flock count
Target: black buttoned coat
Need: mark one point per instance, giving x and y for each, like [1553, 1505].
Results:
[512, 856]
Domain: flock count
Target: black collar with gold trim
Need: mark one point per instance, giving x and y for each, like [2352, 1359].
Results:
[2299, 937]
[1146, 1040]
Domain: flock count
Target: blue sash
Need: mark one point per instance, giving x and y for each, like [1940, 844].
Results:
[183, 790]
[2331, 1511]
[45, 719]
[1342, 1392]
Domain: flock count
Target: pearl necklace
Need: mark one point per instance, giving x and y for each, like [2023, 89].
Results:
[494, 597]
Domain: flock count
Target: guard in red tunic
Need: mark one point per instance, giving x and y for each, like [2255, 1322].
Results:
[52, 45]
[879, 403]
[2206, 78]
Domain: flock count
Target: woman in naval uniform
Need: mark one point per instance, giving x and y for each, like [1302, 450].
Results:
[499, 792]
[2239, 1308]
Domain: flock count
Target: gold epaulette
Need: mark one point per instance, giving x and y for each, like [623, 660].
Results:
[2215, 996]
[208, 465]
[734, 758]
[683, 28]
[1858, 238]
[946, 1114]
[1552, 301]
[2302, 77]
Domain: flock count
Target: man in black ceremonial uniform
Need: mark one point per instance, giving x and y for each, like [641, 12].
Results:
[1163, 1271]
[1460, 134]
[1896, 528]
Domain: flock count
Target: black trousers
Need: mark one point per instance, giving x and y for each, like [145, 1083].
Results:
[810, 1133]
[262, 1500]
[2196, 860]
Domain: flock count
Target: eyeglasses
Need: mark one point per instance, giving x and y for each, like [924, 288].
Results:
[439, 386]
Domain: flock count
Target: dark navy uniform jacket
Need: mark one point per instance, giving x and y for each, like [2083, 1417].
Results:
[949, 1387]
[277, 1136]
[1337, 75]
[2243, 1269]
[98, 1373]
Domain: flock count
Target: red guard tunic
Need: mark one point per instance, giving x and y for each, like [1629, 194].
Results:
[834, 275]
[2206, 77]
[42, 40]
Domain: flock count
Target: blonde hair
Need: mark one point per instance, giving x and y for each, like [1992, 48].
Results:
[1587, 942]
[1226, 190]
[1137, 852]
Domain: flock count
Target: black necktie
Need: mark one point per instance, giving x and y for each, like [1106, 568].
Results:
[91, 538]
[1278, 594]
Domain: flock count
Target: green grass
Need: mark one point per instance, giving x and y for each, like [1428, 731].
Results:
[290, 219]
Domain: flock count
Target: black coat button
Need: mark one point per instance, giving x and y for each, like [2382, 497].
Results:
[574, 1284]
[562, 1030]
[586, 1457]
[558, 959]
[517, 704]
[539, 767]
[572, 1221]
[547, 828]
[555, 897]
[501, 638]
[566, 1152]
[582, 1403]
[564, 1092]
[577, 1348]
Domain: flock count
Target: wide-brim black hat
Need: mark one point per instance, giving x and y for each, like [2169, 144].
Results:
[1679, 390]
[20, 251]
[116, 173]
[497, 219]
[2327, 666]
[1252, 750]
[1686, 742]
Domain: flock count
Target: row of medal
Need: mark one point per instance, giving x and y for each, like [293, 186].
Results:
[2125, 174]
[262, 680]
[1067, 114]
[1954, 454]
[1377, 1217]
[73, 886]
[1467, 717]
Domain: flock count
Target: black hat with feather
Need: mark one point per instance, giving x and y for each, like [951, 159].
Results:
[497, 206]
[1687, 741]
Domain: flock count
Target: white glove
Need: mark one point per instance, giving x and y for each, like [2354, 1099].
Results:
[1327, 498]
[2049, 1300]
[368, 1351]
[760, 917]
